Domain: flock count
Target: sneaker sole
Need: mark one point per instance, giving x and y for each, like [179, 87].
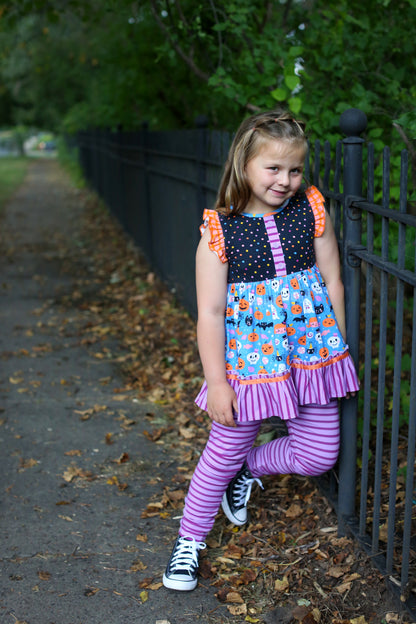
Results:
[179, 585]
[226, 509]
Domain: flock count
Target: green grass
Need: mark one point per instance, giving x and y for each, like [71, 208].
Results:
[68, 158]
[12, 173]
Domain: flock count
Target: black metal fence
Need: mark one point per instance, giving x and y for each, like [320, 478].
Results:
[158, 183]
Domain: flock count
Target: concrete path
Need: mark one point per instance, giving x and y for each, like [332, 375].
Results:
[74, 546]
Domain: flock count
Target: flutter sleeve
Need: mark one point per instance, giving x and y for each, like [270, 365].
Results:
[212, 222]
[317, 203]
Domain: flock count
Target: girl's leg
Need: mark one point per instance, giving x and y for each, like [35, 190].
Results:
[311, 448]
[223, 456]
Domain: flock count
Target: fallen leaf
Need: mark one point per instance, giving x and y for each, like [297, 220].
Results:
[176, 496]
[224, 560]
[237, 609]
[281, 584]
[141, 538]
[44, 576]
[206, 569]
[352, 577]
[294, 511]
[137, 566]
[234, 552]
[86, 414]
[26, 463]
[126, 422]
[155, 435]
[248, 576]
[16, 380]
[335, 572]
[343, 587]
[112, 481]
[73, 472]
[234, 597]
[124, 457]
[189, 433]
[74, 453]
[300, 613]
[144, 596]
[144, 583]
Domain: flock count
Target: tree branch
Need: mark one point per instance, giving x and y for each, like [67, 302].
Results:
[219, 35]
[411, 149]
[185, 57]
[267, 16]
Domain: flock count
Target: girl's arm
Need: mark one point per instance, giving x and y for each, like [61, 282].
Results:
[327, 259]
[211, 288]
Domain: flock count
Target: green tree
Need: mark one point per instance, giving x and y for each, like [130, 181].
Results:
[108, 63]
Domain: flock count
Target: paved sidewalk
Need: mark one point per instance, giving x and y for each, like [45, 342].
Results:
[69, 527]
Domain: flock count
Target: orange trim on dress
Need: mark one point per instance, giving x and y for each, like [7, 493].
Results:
[245, 382]
[317, 203]
[216, 244]
[332, 360]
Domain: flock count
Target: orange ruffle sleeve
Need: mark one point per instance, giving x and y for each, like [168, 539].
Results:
[212, 222]
[317, 202]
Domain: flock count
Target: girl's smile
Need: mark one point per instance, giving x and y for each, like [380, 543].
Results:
[274, 175]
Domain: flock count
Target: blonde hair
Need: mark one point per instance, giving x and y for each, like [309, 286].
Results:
[234, 191]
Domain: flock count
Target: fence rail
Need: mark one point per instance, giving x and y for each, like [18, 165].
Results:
[157, 185]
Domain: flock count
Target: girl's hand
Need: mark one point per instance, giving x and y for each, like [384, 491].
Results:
[349, 395]
[222, 403]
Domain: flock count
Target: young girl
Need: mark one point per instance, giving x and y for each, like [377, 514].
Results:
[271, 331]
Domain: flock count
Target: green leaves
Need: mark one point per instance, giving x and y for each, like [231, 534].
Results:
[111, 62]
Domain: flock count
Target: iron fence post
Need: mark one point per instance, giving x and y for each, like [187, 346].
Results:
[352, 123]
[201, 123]
[120, 192]
[146, 206]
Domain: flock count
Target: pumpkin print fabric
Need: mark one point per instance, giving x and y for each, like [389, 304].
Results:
[283, 346]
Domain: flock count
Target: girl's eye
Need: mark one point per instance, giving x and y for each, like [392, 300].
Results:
[297, 171]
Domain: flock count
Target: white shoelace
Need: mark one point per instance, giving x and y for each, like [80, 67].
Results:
[242, 491]
[186, 555]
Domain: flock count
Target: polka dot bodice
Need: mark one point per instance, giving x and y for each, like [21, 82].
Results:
[247, 249]
[248, 242]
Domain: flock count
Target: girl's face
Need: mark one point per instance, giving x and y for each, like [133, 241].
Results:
[274, 175]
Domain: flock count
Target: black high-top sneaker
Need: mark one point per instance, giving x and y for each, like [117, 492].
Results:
[237, 494]
[182, 569]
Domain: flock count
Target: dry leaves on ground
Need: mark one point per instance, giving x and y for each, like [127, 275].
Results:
[288, 563]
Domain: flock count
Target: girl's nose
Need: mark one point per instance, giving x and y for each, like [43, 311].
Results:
[283, 178]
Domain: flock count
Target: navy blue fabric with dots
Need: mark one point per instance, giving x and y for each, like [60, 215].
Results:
[247, 245]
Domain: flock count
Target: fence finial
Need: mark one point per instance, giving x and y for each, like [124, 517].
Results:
[353, 122]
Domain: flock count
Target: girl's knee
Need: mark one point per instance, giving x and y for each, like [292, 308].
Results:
[315, 467]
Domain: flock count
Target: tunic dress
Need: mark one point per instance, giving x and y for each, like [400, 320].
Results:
[283, 347]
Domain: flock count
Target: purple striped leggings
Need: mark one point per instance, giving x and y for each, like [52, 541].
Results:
[310, 449]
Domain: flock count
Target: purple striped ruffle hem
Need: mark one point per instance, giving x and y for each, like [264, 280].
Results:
[282, 397]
